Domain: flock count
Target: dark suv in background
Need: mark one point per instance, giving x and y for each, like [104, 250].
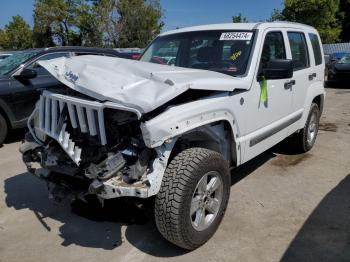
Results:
[22, 80]
[338, 69]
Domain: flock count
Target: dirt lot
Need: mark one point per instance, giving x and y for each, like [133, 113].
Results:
[283, 207]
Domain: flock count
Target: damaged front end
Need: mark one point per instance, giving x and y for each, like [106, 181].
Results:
[87, 147]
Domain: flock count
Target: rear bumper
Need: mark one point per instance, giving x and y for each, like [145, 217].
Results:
[339, 77]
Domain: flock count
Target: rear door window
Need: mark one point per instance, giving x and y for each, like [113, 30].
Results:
[317, 48]
[299, 51]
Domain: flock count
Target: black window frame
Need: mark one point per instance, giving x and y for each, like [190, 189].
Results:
[318, 60]
[263, 46]
[307, 50]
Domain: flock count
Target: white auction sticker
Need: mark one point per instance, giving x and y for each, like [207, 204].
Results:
[246, 36]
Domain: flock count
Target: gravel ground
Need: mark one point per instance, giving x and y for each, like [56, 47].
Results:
[282, 207]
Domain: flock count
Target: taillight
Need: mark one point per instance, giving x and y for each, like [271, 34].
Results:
[136, 57]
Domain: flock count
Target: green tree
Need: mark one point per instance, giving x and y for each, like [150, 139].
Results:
[17, 35]
[276, 16]
[344, 17]
[3, 39]
[239, 19]
[139, 22]
[56, 18]
[90, 25]
[106, 14]
[321, 14]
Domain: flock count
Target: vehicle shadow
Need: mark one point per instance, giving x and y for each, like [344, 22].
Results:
[325, 236]
[239, 173]
[15, 135]
[90, 225]
[337, 85]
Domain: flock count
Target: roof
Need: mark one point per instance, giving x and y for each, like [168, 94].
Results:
[66, 49]
[38, 52]
[240, 26]
[76, 48]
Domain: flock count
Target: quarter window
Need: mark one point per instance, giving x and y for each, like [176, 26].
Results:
[299, 50]
[273, 48]
[317, 48]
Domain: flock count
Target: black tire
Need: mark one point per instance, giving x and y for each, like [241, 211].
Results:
[173, 202]
[300, 141]
[3, 129]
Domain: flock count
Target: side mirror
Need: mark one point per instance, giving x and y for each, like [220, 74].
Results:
[278, 69]
[27, 74]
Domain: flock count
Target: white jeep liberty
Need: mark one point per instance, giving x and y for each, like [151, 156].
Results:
[200, 101]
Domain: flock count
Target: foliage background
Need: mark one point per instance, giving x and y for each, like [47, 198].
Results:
[98, 23]
[134, 23]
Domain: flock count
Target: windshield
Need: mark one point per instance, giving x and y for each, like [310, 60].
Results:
[11, 62]
[345, 60]
[226, 52]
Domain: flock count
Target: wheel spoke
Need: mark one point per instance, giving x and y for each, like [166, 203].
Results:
[213, 184]
[200, 218]
[206, 200]
[213, 205]
[202, 186]
[195, 205]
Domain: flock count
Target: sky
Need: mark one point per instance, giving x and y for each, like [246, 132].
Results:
[177, 13]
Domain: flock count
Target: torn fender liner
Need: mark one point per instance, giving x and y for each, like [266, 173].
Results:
[140, 85]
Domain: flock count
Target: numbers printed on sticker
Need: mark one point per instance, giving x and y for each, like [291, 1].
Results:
[246, 36]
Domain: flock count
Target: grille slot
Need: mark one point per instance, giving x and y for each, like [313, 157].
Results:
[87, 116]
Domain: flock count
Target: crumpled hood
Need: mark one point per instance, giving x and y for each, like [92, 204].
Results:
[139, 85]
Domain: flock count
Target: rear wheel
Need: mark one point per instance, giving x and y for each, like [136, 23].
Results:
[193, 197]
[305, 139]
[3, 129]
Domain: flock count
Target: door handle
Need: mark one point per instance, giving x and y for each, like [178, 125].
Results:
[312, 76]
[289, 84]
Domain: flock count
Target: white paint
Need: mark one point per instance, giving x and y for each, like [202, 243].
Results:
[136, 84]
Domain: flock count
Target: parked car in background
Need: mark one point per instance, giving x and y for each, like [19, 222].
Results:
[3, 56]
[200, 101]
[22, 80]
[130, 53]
[338, 68]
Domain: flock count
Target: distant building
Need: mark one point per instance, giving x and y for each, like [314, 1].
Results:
[336, 48]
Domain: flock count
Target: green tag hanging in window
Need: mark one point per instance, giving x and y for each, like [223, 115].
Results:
[263, 94]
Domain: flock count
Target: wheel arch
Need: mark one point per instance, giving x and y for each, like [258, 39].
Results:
[217, 136]
[319, 100]
[316, 94]
[5, 114]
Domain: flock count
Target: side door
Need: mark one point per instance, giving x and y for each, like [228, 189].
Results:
[317, 63]
[25, 94]
[267, 121]
[303, 66]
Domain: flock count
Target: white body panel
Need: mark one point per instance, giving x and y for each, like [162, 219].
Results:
[142, 87]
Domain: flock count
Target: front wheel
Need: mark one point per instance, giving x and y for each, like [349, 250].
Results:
[193, 197]
[3, 129]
